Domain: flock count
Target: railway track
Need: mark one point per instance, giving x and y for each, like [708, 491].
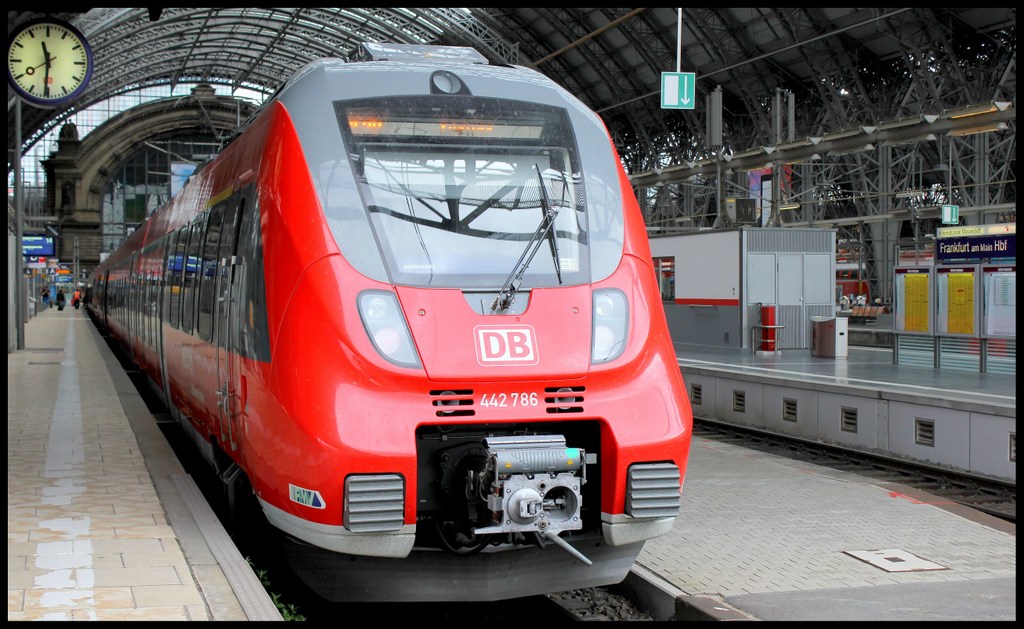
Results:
[992, 496]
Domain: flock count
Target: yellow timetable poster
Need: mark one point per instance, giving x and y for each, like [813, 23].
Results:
[915, 316]
[961, 303]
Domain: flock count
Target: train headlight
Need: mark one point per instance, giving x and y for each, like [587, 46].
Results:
[611, 318]
[376, 307]
[386, 327]
[604, 304]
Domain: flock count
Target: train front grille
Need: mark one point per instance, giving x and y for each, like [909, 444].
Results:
[453, 403]
[652, 490]
[374, 503]
[564, 399]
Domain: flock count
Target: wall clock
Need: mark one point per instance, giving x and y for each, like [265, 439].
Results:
[49, 62]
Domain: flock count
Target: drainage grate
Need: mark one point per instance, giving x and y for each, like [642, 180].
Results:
[894, 560]
[788, 410]
[924, 432]
[848, 419]
[695, 394]
[739, 401]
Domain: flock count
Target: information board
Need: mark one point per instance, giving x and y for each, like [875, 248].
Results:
[34, 245]
[1000, 295]
[913, 286]
[957, 300]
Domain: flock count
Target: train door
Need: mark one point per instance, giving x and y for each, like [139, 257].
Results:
[167, 285]
[104, 301]
[227, 317]
[134, 309]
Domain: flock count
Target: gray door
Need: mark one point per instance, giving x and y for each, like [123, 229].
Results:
[791, 299]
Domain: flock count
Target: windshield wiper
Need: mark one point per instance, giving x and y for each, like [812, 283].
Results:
[507, 295]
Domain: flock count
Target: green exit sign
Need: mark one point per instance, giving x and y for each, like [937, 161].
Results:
[950, 214]
[678, 90]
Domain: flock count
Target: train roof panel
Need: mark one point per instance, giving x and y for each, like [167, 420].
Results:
[371, 51]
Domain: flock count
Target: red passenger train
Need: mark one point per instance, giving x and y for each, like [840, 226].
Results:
[411, 310]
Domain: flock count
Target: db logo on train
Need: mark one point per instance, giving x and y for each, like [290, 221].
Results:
[505, 345]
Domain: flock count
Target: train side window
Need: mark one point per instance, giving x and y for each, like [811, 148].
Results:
[227, 282]
[208, 273]
[192, 260]
[168, 278]
[155, 281]
[128, 308]
[133, 295]
[144, 294]
[177, 273]
[253, 333]
[127, 285]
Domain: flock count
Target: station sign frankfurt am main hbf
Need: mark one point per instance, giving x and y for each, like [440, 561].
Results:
[678, 90]
[977, 242]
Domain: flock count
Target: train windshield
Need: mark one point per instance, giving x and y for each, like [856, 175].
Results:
[453, 189]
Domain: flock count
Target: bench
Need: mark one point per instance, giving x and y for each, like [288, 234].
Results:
[865, 314]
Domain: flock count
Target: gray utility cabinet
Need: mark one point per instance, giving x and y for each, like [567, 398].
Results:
[715, 283]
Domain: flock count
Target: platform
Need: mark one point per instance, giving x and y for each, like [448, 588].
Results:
[768, 538]
[962, 419]
[103, 523]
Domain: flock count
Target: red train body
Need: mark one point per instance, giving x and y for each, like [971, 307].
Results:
[849, 282]
[411, 308]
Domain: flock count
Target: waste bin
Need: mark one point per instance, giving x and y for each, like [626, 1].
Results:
[829, 337]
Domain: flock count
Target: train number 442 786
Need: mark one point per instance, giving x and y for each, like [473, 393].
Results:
[513, 399]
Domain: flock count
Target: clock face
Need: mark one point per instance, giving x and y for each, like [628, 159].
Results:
[48, 62]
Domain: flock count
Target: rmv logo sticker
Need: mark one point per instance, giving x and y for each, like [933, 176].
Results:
[308, 497]
[506, 346]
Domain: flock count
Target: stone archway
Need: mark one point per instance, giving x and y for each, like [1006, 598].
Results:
[78, 171]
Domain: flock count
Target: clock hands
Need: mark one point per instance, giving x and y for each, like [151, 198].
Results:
[32, 69]
[46, 78]
[48, 62]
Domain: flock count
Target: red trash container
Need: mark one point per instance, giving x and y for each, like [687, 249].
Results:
[767, 334]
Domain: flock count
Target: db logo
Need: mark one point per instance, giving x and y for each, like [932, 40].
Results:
[505, 346]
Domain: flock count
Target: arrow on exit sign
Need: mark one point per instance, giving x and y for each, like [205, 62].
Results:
[678, 90]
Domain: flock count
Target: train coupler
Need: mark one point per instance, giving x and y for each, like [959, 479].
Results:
[535, 486]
